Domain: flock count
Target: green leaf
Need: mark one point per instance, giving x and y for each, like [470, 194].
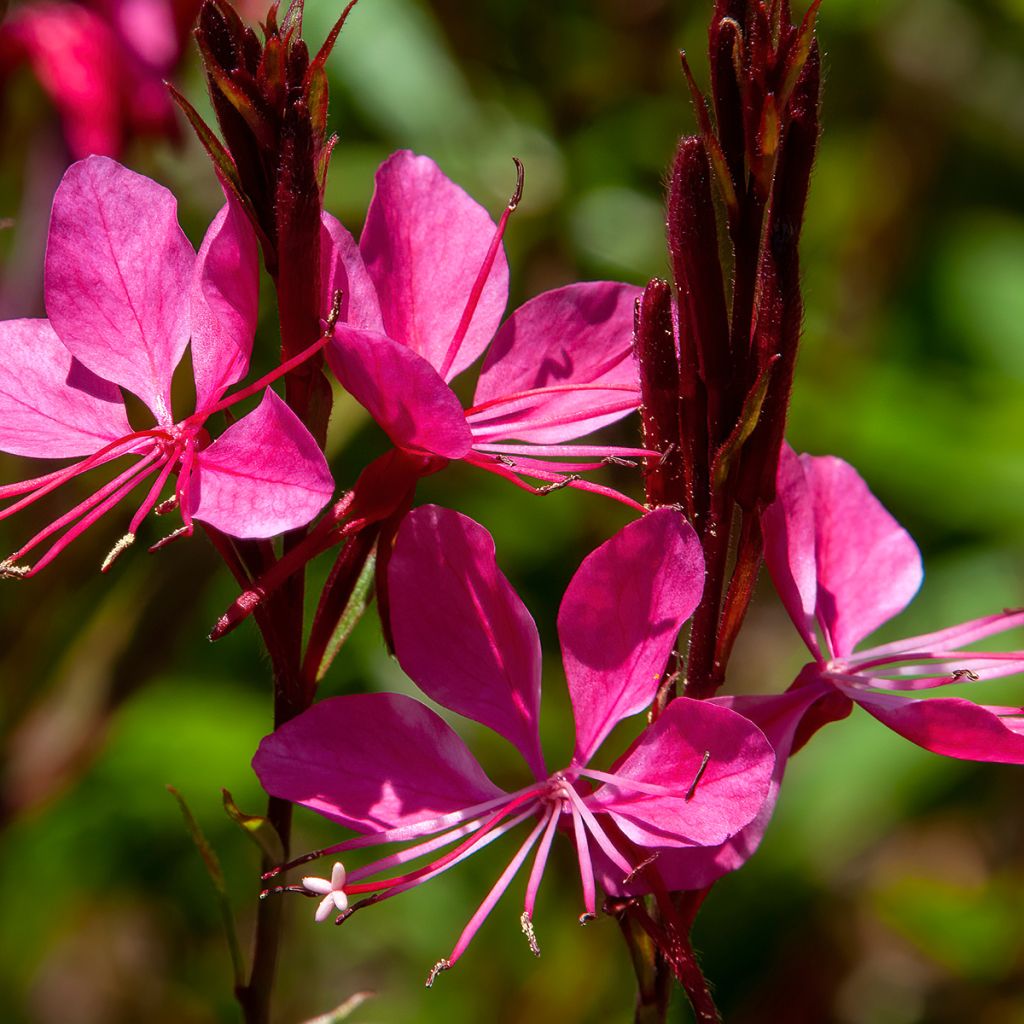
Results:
[357, 604]
[213, 869]
[258, 829]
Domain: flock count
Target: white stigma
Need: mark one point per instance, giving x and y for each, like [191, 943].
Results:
[335, 899]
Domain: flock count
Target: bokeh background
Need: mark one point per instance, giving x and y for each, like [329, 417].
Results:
[890, 888]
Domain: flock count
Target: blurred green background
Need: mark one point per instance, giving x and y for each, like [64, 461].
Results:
[890, 888]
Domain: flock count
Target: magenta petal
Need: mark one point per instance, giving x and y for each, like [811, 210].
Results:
[620, 617]
[401, 391]
[372, 761]
[727, 795]
[460, 630]
[789, 546]
[424, 244]
[578, 335]
[343, 270]
[780, 717]
[868, 565]
[224, 304]
[263, 476]
[117, 278]
[950, 725]
[50, 406]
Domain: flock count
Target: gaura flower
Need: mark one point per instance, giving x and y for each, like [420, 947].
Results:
[103, 63]
[389, 767]
[125, 292]
[843, 566]
[427, 286]
[842, 563]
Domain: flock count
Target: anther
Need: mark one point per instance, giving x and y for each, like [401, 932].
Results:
[517, 195]
[181, 531]
[559, 484]
[166, 506]
[700, 772]
[117, 550]
[531, 936]
[962, 674]
[643, 864]
[335, 313]
[616, 460]
[667, 454]
[504, 460]
[586, 918]
[10, 571]
[441, 965]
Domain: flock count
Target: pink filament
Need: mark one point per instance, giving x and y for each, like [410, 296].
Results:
[540, 861]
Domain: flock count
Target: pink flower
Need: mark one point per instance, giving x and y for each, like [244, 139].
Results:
[842, 563]
[125, 292]
[103, 64]
[426, 289]
[387, 766]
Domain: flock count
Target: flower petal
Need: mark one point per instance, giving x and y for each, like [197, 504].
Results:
[950, 725]
[401, 391]
[788, 525]
[117, 278]
[868, 565]
[224, 304]
[711, 803]
[372, 761]
[343, 270]
[424, 244]
[460, 630]
[263, 476]
[782, 718]
[51, 406]
[578, 335]
[620, 618]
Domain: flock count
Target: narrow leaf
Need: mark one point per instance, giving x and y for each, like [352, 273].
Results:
[258, 829]
[213, 869]
[358, 602]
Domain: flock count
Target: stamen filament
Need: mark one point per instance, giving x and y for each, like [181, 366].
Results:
[84, 506]
[540, 861]
[497, 891]
[154, 492]
[624, 783]
[591, 823]
[550, 389]
[586, 868]
[482, 276]
[500, 430]
[82, 525]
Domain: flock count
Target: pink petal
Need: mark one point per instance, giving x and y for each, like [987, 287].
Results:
[51, 406]
[725, 796]
[460, 630]
[789, 546]
[579, 335]
[424, 244]
[343, 270]
[117, 279]
[224, 304]
[620, 618]
[868, 565]
[79, 62]
[372, 761]
[781, 718]
[950, 725]
[263, 476]
[401, 391]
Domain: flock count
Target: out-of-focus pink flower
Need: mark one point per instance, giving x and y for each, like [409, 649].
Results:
[103, 64]
[125, 292]
[387, 766]
[425, 291]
